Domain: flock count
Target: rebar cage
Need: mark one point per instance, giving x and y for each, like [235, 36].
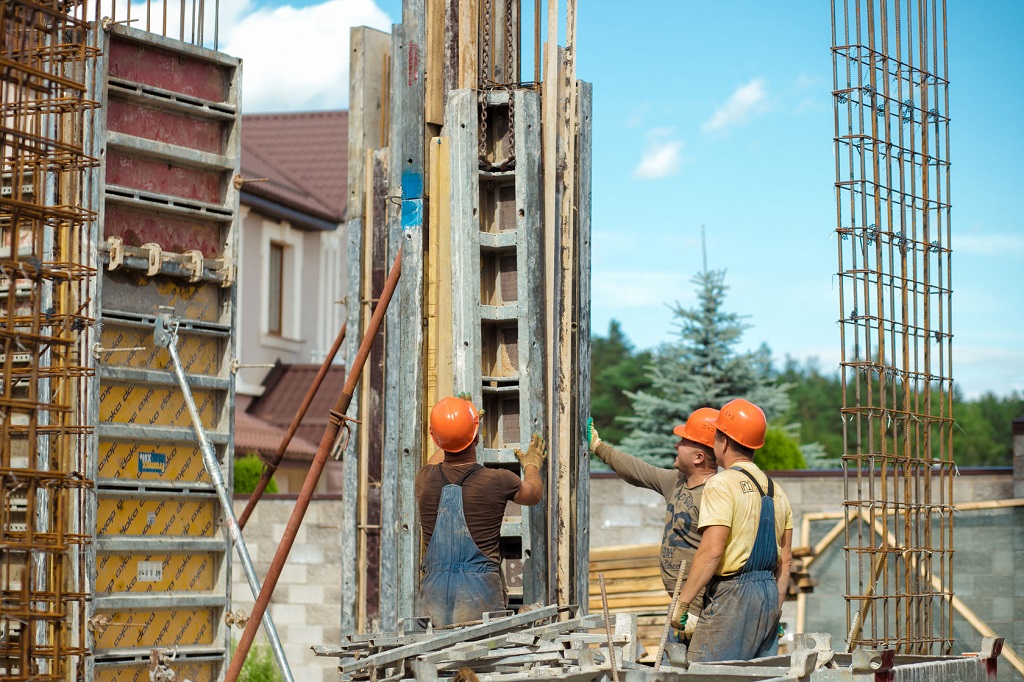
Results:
[893, 226]
[45, 64]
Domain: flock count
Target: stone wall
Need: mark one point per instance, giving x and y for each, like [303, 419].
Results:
[306, 607]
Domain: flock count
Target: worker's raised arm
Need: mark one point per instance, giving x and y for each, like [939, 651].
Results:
[785, 560]
[630, 469]
[532, 489]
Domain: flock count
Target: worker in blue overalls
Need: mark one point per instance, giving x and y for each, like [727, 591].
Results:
[461, 506]
[746, 548]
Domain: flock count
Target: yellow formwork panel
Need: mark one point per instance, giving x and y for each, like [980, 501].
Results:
[199, 353]
[183, 670]
[150, 405]
[118, 572]
[193, 517]
[129, 628]
[134, 292]
[179, 463]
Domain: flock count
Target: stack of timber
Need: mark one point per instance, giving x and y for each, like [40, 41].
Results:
[632, 577]
[531, 643]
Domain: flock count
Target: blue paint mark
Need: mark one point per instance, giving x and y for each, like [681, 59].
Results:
[152, 462]
[412, 185]
[412, 213]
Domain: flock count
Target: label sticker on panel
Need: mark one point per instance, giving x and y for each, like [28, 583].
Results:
[150, 571]
[152, 462]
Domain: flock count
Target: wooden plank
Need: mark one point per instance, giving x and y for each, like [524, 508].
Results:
[623, 586]
[439, 289]
[412, 450]
[469, 43]
[626, 573]
[581, 485]
[434, 58]
[531, 332]
[625, 552]
[461, 117]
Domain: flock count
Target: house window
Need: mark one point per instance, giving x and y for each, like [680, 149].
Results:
[275, 298]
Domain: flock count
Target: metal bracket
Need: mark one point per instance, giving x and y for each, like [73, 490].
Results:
[155, 257]
[115, 247]
[194, 263]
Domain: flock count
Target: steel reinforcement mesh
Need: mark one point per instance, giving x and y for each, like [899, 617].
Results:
[45, 286]
[893, 224]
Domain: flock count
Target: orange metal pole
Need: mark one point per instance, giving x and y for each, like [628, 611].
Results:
[313, 477]
[270, 467]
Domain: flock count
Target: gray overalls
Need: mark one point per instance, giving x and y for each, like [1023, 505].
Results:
[459, 582]
[741, 613]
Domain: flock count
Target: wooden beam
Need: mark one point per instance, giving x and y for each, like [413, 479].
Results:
[469, 43]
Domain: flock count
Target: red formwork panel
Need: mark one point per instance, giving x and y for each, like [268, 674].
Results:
[177, 235]
[161, 68]
[153, 175]
[165, 126]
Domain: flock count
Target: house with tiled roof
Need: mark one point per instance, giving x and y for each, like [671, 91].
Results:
[291, 276]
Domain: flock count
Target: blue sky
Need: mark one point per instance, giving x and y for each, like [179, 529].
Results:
[720, 114]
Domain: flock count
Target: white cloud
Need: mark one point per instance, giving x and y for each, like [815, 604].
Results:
[297, 58]
[747, 101]
[662, 157]
[639, 288]
[989, 244]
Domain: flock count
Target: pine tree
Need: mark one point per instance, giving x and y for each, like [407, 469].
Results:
[700, 369]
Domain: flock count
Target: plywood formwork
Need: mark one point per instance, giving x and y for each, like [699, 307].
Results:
[169, 130]
[483, 308]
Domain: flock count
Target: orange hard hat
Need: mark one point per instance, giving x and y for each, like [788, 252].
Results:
[744, 422]
[699, 427]
[454, 423]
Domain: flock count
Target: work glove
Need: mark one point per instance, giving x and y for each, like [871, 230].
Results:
[592, 436]
[684, 624]
[535, 454]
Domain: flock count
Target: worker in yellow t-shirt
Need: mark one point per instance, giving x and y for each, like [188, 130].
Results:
[746, 550]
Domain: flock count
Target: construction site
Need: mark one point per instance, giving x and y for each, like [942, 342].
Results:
[457, 240]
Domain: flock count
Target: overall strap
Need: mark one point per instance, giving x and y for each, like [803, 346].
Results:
[771, 484]
[475, 468]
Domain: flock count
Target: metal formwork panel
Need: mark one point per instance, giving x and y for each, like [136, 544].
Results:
[167, 242]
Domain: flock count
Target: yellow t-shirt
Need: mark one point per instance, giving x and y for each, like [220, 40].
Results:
[731, 500]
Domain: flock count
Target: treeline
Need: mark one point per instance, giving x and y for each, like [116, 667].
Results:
[638, 395]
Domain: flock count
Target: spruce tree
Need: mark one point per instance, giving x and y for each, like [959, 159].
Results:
[700, 368]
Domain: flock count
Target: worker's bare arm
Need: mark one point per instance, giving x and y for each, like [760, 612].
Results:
[705, 562]
[532, 489]
[785, 560]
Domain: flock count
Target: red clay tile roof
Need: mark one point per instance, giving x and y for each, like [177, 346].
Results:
[304, 156]
[285, 388]
[253, 434]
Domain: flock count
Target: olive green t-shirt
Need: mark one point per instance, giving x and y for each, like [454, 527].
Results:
[681, 536]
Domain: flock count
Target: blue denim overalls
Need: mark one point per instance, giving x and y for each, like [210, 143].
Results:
[741, 613]
[459, 582]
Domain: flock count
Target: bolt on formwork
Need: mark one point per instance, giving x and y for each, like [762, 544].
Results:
[893, 223]
[45, 295]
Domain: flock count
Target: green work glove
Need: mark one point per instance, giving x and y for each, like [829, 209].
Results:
[592, 437]
[782, 631]
[535, 454]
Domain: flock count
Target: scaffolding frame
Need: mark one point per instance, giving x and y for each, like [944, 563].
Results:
[890, 96]
[46, 64]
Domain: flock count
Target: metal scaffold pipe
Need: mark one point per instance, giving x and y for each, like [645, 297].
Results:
[315, 470]
[165, 335]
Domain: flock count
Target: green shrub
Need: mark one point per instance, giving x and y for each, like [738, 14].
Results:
[780, 451]
[248, 470]
[259, 665]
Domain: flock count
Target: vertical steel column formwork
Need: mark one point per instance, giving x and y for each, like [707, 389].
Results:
[170, 136]
[46, 63]
[893, 226]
